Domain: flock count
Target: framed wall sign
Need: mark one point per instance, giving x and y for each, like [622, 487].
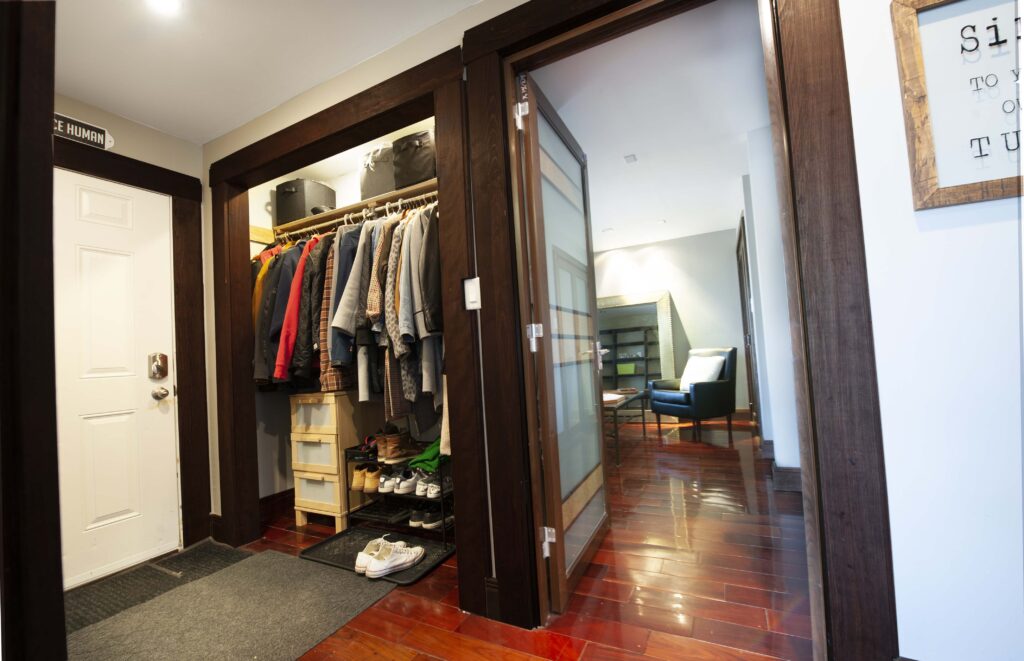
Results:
[959, 71]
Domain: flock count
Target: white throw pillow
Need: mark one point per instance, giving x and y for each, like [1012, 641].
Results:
[700, 368]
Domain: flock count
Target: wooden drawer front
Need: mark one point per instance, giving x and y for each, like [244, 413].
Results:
[315, 453]
[314, 414]
[318, 491]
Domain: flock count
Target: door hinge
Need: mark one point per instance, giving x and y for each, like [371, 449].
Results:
[548, 536]
[522, 109]
[534, 331]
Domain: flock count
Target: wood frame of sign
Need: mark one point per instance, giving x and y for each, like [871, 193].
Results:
[920, 145]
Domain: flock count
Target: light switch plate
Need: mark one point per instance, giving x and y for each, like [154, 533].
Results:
[471, 289]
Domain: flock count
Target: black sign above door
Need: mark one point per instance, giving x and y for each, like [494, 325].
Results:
[79, 131]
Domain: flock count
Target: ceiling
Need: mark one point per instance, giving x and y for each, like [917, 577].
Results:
[681, 95]
[221, 63]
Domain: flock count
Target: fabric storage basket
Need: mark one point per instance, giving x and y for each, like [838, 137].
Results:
[378, 173]
[414, 159]
[315, 453]
[318, 492]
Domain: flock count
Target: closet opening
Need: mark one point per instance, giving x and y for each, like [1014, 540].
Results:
[348, 357]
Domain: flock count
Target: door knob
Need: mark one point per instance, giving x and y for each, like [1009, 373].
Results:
[160, 393]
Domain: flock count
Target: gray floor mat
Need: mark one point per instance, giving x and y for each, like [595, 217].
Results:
[109, 596]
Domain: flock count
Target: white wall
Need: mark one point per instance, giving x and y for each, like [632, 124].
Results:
[775, 351]
[945, 289]
[701, 274]
[135, 140]
[435, 40]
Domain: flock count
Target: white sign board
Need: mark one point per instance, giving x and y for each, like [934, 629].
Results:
[971, 69]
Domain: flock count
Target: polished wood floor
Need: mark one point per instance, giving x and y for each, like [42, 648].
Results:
[703, 561]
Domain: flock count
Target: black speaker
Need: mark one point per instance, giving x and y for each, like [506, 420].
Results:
[296, 199]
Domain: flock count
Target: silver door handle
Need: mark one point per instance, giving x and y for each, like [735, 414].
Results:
[160, 393]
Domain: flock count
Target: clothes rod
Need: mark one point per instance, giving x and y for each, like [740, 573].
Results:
[408, 194]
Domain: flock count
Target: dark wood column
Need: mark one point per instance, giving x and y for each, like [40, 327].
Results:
[31, 586]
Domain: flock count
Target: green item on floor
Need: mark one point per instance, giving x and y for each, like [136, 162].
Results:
[429, 459]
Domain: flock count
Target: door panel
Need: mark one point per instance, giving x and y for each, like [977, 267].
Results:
[567, 362]
[117, 445]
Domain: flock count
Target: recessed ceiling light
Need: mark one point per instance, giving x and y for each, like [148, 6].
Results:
[166, 7]
[608, 229]
[630, 158]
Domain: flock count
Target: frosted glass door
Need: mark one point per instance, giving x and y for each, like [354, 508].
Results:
[568, 361]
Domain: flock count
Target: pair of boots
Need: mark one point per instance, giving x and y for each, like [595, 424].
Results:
[394, 447]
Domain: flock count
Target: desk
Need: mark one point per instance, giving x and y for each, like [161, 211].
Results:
[612, 402]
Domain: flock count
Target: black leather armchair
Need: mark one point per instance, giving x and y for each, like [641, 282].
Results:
[708, 399]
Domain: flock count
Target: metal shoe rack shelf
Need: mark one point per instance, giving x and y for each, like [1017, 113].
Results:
[390, 511]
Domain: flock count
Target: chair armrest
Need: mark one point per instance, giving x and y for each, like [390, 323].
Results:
[664, 384]
[712, 399]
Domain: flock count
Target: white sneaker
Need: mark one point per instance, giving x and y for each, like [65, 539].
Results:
[393, 558]
[424, 483]
[387, 483]
[370, 552]
[408, 481]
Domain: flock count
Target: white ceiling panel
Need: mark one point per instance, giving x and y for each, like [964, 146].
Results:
[681, 95]
[221, 63]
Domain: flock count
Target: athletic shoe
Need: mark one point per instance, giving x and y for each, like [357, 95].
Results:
[407, 481]
[392, 559]
[370, 552]
[358, 477]
[371, 481]
[437, 485]
[424, 483]
[387, 482]
[432, 519]
[416, 518]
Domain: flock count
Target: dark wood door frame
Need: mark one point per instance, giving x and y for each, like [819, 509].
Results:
[433, 88]
[844, 484]
[31, 586]
[743, 269]
[189, 333]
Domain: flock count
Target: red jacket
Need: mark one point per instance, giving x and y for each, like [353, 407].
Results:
[290, 325]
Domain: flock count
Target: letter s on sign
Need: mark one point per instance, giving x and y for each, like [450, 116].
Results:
[967, 38]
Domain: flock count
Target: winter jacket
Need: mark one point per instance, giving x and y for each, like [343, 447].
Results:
[304, 364]
[341, 345]
[261, 333]
[430, 272]
[290, 258]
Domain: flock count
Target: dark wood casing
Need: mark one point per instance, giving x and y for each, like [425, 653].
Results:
[433, 88]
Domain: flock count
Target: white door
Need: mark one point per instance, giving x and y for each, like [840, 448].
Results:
[117, 443]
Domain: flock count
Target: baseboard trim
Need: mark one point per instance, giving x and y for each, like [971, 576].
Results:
[786, 479]
[276, 502]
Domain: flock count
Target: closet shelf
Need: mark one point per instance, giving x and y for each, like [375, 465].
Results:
[308, 222]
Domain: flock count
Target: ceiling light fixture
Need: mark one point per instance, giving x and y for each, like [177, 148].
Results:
[630, 158]
[608, 229]
[166, 7]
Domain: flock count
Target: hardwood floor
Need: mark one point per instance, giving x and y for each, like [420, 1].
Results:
[703, 561]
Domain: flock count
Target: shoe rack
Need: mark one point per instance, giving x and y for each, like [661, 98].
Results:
[322, 424]
[389, 512]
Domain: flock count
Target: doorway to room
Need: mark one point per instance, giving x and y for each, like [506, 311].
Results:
[667, 501]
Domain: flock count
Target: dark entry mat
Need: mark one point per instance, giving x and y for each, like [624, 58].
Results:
[96, 601]
[342, 549]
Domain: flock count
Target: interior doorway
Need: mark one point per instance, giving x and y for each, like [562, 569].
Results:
[634, 159]
[117, 432]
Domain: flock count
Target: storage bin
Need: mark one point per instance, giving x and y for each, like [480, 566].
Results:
[414, 159]
[315, 453]
[295, 199]
[314, 414]
[318, 492]
[378, 174]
